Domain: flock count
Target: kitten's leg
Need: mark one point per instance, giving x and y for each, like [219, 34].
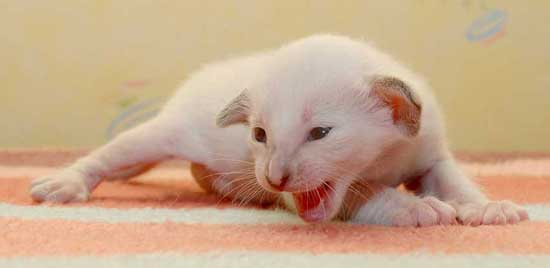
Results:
[130, 172]
[396, 208]
[446, 181]
[142, 146]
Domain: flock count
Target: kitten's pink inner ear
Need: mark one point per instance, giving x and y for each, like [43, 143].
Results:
[405, 107]
[235, 112]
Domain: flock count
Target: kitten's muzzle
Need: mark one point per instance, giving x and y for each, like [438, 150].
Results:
[278, 184]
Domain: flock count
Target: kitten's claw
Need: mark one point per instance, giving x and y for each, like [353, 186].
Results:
[60, 188]
[500, 212]
[445, 212]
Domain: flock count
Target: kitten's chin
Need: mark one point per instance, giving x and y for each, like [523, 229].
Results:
[319, 204]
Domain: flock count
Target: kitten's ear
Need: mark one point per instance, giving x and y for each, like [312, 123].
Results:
[404, 104]
[235, 112]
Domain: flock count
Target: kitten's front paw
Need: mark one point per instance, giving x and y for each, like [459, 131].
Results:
[66, 186]
[499, 212]
[424, 212]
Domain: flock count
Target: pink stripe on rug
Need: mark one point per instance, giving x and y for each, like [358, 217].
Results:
[69, 238]
[184, 193]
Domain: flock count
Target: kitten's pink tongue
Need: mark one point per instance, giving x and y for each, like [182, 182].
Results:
[309, 204]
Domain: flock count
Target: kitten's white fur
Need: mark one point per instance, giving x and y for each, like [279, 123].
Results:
[322, 80]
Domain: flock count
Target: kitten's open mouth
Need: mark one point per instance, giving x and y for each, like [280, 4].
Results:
[315, 205]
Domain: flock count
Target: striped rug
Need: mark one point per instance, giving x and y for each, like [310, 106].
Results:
[163, 219]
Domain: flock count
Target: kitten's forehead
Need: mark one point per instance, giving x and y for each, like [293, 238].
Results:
[315, 66]
[305, 77]
[320, 67]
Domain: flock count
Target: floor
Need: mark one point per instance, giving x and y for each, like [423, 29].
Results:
[163, 219]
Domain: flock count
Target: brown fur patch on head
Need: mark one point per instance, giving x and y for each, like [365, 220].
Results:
[308, 113]
[405, 106]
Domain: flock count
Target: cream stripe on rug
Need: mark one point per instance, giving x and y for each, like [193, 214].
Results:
[150, 215]
[254, 259]
[537, 212]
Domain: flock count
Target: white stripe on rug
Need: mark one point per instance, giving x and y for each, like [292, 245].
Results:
[180, 215]
[254, 259]
[518, 167]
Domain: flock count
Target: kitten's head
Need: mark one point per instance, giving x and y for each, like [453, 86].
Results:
[318, 117]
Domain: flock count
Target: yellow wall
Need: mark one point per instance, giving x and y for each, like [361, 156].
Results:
[68, 68]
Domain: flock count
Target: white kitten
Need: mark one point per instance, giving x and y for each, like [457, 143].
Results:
[309, 121]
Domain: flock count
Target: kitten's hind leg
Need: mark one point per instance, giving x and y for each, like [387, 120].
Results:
[146, 144]
[235, 185]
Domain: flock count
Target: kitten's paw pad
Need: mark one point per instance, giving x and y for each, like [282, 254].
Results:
[500, 212]
[60, 188]
[425, 212]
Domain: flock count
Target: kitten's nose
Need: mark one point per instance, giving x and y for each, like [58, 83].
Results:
[277, 173]
[279, 183]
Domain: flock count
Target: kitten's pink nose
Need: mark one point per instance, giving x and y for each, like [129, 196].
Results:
[278, 184]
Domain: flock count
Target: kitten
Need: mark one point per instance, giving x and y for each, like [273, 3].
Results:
[314, 122]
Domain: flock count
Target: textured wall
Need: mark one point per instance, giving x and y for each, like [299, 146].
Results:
[74, 72]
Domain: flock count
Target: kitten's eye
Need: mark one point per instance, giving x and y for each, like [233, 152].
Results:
[318, 133]
[259, 134]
